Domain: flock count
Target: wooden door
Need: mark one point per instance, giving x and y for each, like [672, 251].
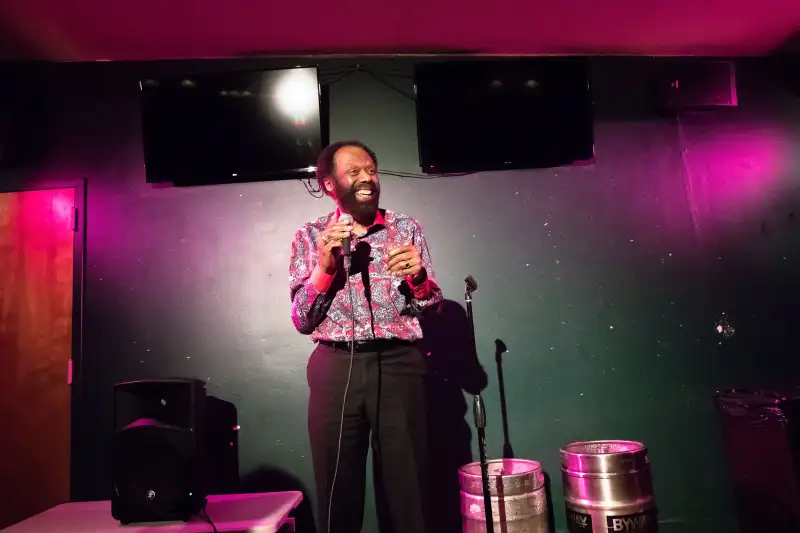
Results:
[36, 276]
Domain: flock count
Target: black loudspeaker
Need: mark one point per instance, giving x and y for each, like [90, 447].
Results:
[696, 84]
[26, 115]
[158, 455]
[787, 71]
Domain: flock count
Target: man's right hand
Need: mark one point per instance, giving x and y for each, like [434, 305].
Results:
[329, 244]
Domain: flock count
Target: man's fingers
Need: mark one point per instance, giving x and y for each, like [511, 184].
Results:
[338, 234]
[400, 249]
[399, 261]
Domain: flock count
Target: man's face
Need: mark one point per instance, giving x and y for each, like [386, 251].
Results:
[355, 181]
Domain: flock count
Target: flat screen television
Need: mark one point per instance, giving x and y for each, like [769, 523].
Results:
[233, 126]
[483, 115]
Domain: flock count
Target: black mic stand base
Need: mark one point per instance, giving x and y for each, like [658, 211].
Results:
[480, 424]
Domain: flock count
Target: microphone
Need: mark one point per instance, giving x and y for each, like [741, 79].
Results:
[346, 245]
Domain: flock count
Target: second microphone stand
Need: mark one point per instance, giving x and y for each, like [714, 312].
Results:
[479, 411]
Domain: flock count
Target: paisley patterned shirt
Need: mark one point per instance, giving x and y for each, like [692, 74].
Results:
[383, 306]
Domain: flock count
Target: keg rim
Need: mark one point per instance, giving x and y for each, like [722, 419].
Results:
[579, 448]
[536, 468]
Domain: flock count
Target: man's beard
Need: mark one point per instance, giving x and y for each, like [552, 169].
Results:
[360, 209]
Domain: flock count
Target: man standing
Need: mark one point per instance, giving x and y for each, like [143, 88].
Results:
[366, 374]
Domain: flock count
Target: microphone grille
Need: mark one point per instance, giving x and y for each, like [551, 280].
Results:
[346, 219]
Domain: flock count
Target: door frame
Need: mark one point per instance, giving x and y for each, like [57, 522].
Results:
[12, 184]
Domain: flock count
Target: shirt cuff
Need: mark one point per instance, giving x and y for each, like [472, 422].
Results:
[421, 291]
[320, 279]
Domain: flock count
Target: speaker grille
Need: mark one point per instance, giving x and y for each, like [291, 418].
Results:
[158, 460]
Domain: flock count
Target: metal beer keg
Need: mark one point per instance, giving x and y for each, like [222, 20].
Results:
[517, 491]
[607, 487]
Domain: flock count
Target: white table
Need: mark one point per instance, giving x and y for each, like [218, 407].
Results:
[266, 512]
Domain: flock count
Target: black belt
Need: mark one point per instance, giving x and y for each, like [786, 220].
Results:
[372, 345]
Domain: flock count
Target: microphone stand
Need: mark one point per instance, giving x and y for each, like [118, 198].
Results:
[479, 411]
[499, 349]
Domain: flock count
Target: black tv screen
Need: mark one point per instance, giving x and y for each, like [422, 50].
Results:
[232, 126]
[484, 115]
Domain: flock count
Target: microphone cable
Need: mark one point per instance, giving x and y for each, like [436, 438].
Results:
[346, 387]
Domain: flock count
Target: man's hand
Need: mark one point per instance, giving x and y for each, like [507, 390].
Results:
[329, 244]
[406, 261]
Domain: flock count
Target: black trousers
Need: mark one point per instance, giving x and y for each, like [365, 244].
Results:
[385, 408]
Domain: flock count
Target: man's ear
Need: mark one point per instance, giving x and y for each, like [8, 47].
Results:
[328, 182]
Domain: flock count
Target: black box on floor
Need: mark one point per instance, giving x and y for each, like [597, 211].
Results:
[762, 445]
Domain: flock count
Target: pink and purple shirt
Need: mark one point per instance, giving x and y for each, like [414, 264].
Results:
[384, 306]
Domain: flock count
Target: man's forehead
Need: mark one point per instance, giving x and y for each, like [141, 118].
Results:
[352, 155]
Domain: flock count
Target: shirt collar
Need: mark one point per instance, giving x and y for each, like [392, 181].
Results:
[380, 220]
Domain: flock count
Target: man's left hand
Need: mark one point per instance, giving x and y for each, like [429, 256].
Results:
[406, 261]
